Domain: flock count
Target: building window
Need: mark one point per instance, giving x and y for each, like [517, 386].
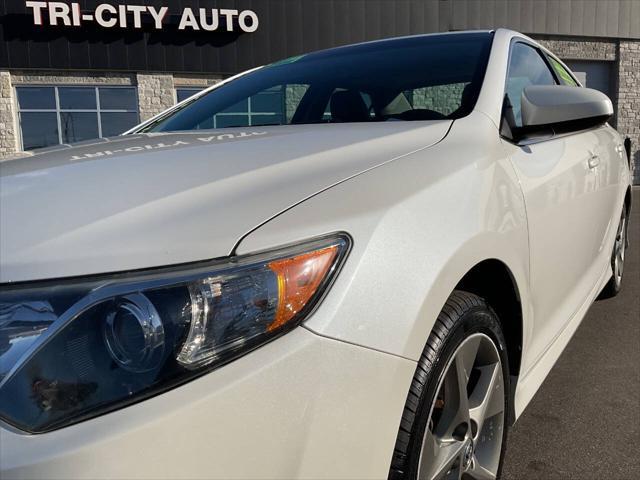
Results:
[52, 115]
[186, 92]
[268, 107]
[263, 108]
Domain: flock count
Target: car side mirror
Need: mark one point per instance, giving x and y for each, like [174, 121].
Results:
[562, 108]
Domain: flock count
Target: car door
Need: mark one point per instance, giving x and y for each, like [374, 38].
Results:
[559, 179]
[610, 169]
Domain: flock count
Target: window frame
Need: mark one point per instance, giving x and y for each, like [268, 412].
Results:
[195, 91]
[546, 55]
[58, 110]
[250, 114]
[544, 58]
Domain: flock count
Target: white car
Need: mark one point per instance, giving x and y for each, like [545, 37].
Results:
[356, 263]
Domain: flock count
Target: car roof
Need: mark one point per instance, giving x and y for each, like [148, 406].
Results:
[394, 42]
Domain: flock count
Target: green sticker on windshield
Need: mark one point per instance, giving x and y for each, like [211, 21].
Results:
[562, 72]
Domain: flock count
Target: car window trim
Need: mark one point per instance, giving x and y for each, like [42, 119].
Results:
[512, 43]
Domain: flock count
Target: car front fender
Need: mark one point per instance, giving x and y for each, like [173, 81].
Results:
[418, 224]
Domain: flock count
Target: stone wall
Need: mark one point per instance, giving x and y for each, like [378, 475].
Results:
[444, 99]
[156, 93]
[292, 96]
[195, 81]
[580, 49]
[8, 127]
[629, 98]
[70, 78]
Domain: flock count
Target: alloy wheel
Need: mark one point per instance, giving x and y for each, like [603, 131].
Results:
[463, 438]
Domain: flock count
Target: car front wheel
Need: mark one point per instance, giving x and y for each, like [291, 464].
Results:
[454, 422]
[612, 288]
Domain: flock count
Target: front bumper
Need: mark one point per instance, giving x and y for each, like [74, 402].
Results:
[302, 406]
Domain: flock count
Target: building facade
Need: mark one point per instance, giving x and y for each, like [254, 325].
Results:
[75, 70]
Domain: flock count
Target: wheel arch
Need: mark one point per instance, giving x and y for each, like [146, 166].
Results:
[492, 280]
[627, 205]
[627, 200]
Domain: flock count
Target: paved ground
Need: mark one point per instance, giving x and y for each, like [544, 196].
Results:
[584, 422]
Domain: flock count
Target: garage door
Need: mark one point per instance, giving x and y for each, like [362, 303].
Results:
[597, 75]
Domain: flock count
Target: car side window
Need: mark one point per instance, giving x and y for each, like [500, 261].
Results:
[563, 74]
[526, 67]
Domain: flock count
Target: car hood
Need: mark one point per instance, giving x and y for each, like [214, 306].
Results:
[149, 200]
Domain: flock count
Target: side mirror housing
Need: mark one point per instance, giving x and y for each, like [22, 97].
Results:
[563, 108]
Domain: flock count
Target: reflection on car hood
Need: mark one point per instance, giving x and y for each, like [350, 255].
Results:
[149, 200]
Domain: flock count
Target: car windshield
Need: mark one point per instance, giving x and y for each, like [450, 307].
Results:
[430, 77]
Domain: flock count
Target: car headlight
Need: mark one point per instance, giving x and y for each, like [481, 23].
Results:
[74, 349]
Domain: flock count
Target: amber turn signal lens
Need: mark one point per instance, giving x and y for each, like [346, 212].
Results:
[298, 280]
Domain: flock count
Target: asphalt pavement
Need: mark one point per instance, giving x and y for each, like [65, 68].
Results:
[584, 422]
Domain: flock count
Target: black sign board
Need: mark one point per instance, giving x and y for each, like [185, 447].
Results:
[227, 36]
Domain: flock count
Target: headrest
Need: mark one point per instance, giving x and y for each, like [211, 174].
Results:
[348, 106]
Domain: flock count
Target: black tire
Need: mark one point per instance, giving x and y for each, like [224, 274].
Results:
[463, 314]
[614, 285]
